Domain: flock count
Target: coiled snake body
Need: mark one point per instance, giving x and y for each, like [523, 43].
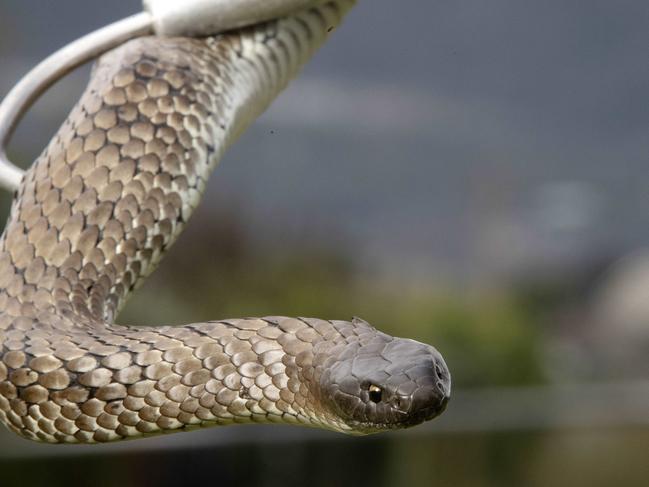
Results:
[92, 218]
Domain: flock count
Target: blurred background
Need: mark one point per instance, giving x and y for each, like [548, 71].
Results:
[468, 174]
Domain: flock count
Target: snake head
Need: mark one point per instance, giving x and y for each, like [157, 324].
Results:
[379, 382]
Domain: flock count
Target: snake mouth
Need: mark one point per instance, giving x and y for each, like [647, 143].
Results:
[408, 421]
[426, 414]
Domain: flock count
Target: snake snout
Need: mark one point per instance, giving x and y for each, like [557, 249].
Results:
[427, 393]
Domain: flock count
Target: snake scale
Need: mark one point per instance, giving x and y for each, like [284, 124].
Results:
[92, 218]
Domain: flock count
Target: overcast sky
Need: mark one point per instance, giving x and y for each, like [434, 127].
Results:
[461, 138]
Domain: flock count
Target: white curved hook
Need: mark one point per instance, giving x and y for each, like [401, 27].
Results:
[49, 71]
[162, 17]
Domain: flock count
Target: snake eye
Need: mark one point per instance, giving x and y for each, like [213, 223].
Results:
[375, 393]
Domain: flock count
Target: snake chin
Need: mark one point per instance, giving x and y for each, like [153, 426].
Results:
[385, 383]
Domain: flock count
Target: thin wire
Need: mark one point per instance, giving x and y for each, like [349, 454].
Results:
[52, 69]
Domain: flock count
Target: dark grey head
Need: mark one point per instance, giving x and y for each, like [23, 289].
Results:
[381, 383]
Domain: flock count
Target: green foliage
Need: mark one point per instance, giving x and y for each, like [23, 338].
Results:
[489, 342]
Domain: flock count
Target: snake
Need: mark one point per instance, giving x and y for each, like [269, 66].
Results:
[92, 218]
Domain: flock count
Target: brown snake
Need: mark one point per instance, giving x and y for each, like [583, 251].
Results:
[91, 220]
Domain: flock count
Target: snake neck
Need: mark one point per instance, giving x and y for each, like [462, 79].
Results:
[122, 382]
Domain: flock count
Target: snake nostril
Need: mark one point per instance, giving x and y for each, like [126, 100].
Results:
[439, 371]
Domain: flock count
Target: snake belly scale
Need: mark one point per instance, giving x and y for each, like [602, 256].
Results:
[91, 220]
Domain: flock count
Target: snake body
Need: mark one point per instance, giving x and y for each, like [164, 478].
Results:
[92, 218]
